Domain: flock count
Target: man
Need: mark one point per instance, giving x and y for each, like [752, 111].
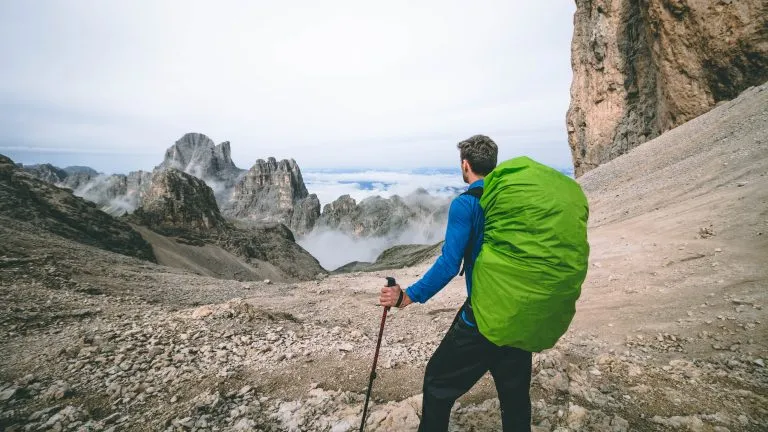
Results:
[465, 355]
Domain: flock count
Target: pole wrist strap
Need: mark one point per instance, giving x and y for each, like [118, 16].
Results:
[400, 299]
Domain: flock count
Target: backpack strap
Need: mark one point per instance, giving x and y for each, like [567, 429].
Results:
[477, 193]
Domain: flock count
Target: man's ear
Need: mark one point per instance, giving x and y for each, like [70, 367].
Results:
[465, 166]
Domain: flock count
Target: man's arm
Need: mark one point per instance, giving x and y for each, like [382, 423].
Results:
[448, 264]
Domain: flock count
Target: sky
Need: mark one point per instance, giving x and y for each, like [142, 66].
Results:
[332, 84]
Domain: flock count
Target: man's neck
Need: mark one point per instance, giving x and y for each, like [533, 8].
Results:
[473, 178]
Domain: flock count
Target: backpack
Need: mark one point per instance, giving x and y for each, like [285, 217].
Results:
[534, 257]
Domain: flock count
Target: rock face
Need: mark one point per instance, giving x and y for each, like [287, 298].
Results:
[270, 191]
[45, 172]
[115, 194]
[274, 191]
[178, 201]
[179, 204]
[642, 68]
[198, 155]
[274, 243]
[25, 198]
[379, 217]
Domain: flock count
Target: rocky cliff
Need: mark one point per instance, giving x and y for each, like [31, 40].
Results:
[176, 201]
[641, 68]
[270, 191]
[379, 217]
[48, 208]
[198, 155]
[274, 191]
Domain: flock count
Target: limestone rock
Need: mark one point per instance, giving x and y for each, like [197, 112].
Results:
[178, 201]
[640, 69]
[378, 217]
[198, 155]
[273, 191]
[45, 172]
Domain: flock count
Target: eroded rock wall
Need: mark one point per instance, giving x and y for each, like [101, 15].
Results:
[642, 67]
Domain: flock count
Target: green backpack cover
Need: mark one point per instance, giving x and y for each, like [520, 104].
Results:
[534, 258]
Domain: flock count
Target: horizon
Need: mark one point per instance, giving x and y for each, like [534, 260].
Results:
[29, 157]
[333, 85]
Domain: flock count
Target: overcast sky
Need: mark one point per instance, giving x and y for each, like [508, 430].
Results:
[392, 84]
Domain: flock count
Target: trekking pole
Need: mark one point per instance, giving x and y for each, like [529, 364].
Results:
[390, 282]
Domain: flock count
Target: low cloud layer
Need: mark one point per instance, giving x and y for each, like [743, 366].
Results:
[334, 249]
[331, 184]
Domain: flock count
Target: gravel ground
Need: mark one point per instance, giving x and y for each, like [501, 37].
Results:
[669, 333]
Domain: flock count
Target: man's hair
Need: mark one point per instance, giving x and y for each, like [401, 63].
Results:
[481, 153]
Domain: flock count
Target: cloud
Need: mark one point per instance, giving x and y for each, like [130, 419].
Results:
[337, 83]
[329, 184]
[334, 249]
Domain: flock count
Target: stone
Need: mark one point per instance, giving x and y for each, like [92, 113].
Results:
[8, 394]
[202, 312]
[197, 155]
[273, 191]
[342, 426]
[177, 201]
[636, 74]
[577, 416]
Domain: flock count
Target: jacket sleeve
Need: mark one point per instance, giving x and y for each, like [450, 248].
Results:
[448, 264]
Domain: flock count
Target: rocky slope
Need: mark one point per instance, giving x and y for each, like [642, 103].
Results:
[274, 191]
[396, 257]
[115, 194]
[642, 68]
[669, 333]
[46, 207]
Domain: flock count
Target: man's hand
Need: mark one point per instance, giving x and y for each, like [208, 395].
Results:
[389, 296]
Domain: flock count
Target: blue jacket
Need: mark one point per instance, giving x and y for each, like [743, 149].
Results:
[465, 220]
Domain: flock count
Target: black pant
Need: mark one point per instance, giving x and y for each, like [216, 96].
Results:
[459, 362]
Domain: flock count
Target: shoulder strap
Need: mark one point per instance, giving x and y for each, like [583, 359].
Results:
[477, 193]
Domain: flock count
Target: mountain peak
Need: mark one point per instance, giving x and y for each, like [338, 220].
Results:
[197, 154]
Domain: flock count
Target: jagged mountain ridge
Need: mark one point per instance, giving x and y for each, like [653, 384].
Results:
[270, 191]
[377, 217]
[273, 190]
[183, 206]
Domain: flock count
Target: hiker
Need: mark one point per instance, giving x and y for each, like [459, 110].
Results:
[521, 230]
[465, 355]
